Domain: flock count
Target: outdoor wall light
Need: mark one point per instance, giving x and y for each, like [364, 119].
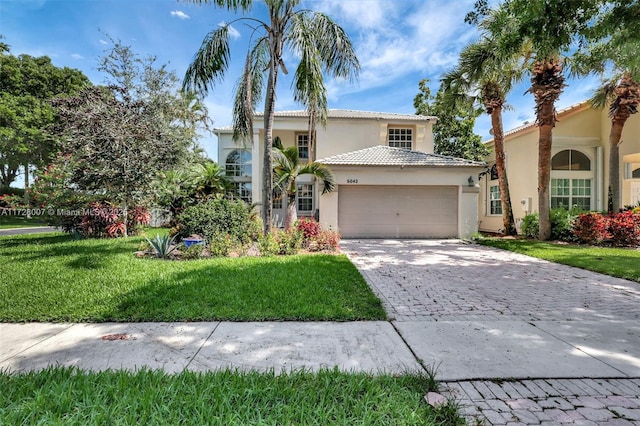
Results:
[470, 181]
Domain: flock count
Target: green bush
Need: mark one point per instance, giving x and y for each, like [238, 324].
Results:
[220, 244]
[531, 225]
[220, 216]
[562, 223]
[280, 242]
[195, 251]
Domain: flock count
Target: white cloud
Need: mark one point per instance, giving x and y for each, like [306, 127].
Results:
[233, 33]
[369, 14]
[180, 14]
[77, 56]
[104, 42]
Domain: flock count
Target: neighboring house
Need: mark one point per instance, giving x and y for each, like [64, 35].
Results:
[389, 182]
[580, 166]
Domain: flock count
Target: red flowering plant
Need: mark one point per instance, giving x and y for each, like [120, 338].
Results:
[309, 228]
[591, 228]
[624, 228]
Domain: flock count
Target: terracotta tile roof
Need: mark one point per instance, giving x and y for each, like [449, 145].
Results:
[387, 156]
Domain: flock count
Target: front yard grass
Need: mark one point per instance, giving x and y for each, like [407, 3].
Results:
[10, 222]
[616, 262]
[68, 396]
[51, 277]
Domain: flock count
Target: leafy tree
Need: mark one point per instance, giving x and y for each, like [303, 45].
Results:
[614, 53]
[322, 45]
[484, 76]
[27, 84]
[453, 132]
[119, 136]
[551, 28]
[287, 169]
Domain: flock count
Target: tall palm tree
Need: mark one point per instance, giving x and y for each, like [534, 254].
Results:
[483, 75]
[622, 94]
[321, 43]
[551, 27]
[287, 169]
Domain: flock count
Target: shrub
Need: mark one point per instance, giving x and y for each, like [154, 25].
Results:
[624, 228]
[195, 251]
[591, 228]
[220, 244]
[309, 228]
[218, 216]
[279, 242]
[562, 223]
[531, 226]
[325, 240]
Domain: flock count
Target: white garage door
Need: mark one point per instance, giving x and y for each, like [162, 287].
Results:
[398, 211]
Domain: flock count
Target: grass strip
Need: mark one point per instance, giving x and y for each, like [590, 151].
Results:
[73, 397]
[616, 262]
[51, 277]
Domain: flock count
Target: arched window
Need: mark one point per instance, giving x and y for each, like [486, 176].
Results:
[239, 163]
[636, 174]
[570, 159]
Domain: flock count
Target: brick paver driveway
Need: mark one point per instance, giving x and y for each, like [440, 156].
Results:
[445, 286]
[453, 279]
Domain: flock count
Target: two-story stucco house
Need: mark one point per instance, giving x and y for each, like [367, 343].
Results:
[389, 182]
[579, 166]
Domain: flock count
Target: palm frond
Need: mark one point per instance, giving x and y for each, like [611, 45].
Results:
[249, 91]
[334, 48]
[604, 94]
[209, 63]
[322, 172]
[234, 5]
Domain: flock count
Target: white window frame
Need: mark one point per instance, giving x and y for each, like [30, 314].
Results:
[400, 137]
[305, 193]
[495, 200]
[302, 141]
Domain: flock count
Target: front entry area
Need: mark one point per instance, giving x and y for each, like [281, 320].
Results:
[390, 211]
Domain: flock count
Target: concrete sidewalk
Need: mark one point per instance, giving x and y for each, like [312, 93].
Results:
[457, 350]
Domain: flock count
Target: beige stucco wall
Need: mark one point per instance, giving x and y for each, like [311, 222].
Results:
[467, 208]
[584, 129]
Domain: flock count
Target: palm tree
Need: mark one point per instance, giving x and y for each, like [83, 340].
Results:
[551, 28]
[210, 179]
[322, 45]
[622, 94]
[287, 169]
[484, 76]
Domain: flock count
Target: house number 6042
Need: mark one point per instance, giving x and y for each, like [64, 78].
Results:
[352, 180]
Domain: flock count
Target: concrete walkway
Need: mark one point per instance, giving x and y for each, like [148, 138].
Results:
[516, 340]
[28, 230]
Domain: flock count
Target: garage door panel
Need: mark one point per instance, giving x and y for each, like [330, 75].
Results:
[398, 211]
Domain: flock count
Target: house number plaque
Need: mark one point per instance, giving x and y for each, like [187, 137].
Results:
[352, 180]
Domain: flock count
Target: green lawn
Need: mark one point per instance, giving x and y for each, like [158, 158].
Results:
[10, 221]
[51, 277]
[72, 397]
[617, 262]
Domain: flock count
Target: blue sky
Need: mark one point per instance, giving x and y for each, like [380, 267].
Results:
[398, 42]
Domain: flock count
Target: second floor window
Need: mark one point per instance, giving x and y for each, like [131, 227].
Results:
[303, 145]
[401, 138]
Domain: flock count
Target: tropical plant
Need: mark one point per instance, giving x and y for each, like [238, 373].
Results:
[287, 169]
[613, 53]
[551, 28]
[210, 179]
[162, 245]
[322, 45]
[484, 76]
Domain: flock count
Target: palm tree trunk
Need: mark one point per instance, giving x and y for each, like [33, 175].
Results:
[614, 163]
[505, 196]
[547, 84]
[544, 178]
[269, 111]
[292, 212]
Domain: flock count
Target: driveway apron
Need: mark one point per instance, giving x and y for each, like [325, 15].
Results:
[477, 315]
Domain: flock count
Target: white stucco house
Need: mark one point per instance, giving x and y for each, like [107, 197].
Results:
[389, 182]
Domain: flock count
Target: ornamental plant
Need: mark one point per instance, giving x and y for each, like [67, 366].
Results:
[591, 228]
